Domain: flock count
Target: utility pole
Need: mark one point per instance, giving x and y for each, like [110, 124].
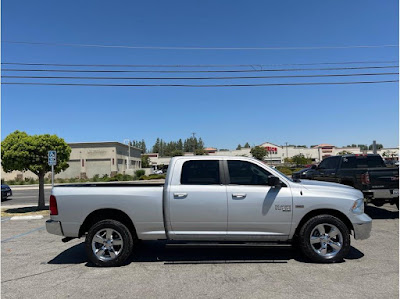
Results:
[129, 152]
[374, 149]
[193, 136]
[287, 156]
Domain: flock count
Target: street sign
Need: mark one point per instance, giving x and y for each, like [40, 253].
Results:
[52, 155]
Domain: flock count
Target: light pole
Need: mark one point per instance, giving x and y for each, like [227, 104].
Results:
[287, 156]
[129, 152]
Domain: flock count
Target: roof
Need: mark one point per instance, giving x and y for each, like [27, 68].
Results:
[323, 145]
[99, 144]
[210, 149]
[270, 143]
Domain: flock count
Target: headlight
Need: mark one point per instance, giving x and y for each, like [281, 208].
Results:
[358, 206]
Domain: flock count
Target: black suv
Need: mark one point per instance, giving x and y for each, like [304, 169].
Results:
[5, 192]
[367, 173]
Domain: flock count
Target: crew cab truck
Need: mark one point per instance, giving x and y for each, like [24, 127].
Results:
[211, 200]
[368, 173]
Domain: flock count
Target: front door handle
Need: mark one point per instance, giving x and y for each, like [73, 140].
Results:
[238, 195]
[180, 195]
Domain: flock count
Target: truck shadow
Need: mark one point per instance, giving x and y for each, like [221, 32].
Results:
[384, 212]
[155, 251]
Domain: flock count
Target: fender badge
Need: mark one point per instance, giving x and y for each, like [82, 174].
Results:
[299, 206]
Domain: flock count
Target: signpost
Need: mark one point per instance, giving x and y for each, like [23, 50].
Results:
[52, 156]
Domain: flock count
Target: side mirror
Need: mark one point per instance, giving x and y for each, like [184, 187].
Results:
[314, 166]
[274, 181]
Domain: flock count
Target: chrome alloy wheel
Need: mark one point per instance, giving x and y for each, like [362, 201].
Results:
[107, 244]
[326, 240]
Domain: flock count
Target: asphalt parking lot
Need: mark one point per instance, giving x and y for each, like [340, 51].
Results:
[37, 264]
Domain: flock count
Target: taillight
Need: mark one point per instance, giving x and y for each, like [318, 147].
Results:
[53, 205]
[365, 179]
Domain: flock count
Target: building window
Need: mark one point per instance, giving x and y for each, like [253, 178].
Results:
[83, 162]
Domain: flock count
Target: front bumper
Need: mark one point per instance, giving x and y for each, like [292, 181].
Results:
[6, 193]
[54, 227]
[382, 193]
[363, 229]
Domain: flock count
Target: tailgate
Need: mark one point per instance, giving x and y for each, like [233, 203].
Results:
[384, 178]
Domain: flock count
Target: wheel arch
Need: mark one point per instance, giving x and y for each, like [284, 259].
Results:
[317, 212]
[107, 213]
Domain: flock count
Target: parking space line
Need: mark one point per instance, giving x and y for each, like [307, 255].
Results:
[23, 234]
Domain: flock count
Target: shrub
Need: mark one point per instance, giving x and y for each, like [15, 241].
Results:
[139, 173]
[152, 177]
[285, 170]
[95, 178]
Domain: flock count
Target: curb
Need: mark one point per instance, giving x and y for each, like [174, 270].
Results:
[27, 187]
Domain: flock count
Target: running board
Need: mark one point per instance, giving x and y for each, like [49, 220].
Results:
[219, 244]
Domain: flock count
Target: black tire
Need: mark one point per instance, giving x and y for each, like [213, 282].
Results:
[308, 249]
[125, 249]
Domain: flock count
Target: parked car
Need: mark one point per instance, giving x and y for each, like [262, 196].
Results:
[305, 173]
[391, 163]
[5, 192]
[368, 173]
[211, 200]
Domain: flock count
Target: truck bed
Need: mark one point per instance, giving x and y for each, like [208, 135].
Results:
[113, 184]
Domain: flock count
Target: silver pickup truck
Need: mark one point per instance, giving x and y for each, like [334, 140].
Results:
[211, 200]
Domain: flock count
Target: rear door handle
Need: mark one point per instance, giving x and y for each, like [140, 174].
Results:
[180, 195]
[238, 195]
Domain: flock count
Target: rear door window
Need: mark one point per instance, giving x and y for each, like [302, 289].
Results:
[200, 172]
[362, 162]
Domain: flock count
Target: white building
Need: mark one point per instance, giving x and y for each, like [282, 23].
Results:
[276, 154]
[88, 159]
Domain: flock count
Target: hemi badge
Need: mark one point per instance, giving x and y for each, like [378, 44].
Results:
[299, 206]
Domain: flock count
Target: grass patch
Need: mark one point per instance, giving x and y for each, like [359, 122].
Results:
[25, 211]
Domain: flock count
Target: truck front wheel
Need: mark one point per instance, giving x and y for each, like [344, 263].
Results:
[324, 239]
[108, 243]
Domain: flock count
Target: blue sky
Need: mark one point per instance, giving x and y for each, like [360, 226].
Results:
[223, 117]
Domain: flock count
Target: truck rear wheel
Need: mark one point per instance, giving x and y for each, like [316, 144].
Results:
[324, 239]
[108, 243]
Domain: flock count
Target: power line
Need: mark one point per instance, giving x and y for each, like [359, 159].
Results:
[198, 78]
[199, 48]
[194, 85]
[199, 71]
[195, 65]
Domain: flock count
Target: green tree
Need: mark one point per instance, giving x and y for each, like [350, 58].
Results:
[344, 153]
[258, 152]
[239, 147]
[247, 145]
[140, 144]
[363, 147]
[176, 153]
[378, 146]
[200, 151]
[22, 152]
[287, 160]
[145, 161]
[156, 146]
[300, 159]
